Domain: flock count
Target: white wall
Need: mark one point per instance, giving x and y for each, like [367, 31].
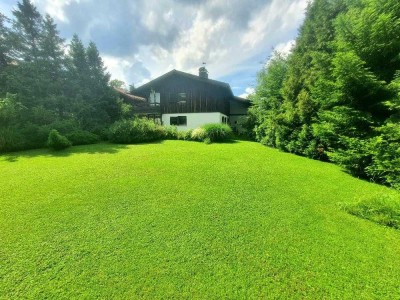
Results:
[195, 120]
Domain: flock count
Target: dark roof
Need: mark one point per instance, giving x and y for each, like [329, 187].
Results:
[191, 76]
[125, 94]
[239, 99]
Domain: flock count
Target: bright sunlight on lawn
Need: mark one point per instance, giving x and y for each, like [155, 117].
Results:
[187, 220]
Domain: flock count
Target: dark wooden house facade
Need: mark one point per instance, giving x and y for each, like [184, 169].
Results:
[188, 101]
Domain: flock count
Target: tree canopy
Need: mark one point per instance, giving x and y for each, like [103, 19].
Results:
[336, 96]
[57, 89]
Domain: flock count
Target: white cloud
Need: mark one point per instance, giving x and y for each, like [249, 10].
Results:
[130, 70]
[194, 45]
[54, 8]
[228, 49]
[216, 40]
[142, 39]
[116, 66]
[293, 12]
[248, 92]
[285, 48]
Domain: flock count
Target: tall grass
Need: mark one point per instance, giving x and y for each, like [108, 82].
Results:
[383, 209]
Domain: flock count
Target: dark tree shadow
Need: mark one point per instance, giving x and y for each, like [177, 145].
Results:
[231, 141]
[102, 148]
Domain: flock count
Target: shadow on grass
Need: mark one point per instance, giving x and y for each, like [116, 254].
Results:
[233, 141]
[101, 148]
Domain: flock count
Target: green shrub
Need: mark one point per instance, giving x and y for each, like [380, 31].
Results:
[218, 132]
[64, 126]
[385, 151]
[383, 209]
[135, 131]
[171, 132]
[11, 139]
[35, 136]
[246, 127]
[185, 135]
[56, 141]
[10, 110]
[212, 133]
[198, 134]
[82, 137]
[355, 156]
[42, 116]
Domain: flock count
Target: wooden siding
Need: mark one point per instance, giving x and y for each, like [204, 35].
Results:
[238, 107]
[201, 95]
[145, 110]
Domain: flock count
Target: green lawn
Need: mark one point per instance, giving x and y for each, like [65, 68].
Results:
[187, 220]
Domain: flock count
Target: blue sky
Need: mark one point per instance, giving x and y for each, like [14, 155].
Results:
[142, 39]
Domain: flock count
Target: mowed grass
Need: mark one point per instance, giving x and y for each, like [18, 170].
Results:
[188, 220]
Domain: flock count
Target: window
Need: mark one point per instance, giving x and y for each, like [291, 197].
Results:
[224, 120]
[178, 121]
[154, 98]
[181, 98]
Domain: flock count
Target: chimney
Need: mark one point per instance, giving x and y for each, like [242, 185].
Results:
[203, 73]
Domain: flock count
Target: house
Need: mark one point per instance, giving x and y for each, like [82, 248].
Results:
[187, 101]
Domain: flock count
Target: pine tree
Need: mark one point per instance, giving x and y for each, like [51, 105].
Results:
[68, 92]
[103, 97]
[95, 103]
[98, 77]
[25, 79]
[340, 95]
[52, 65]
[77, 70]
[51, 48]
[28, 29]
[268, 99]
[5, 47]
[5, 53]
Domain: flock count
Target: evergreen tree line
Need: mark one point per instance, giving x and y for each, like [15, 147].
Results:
[46, 84]
[336, 97]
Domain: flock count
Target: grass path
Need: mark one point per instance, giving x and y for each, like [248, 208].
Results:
[187, 220]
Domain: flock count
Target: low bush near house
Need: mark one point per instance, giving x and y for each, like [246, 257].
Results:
[211, 133]
[185, 135]
[82, 137]
[383, 209]
[56, 141]
[198, 134]
[135, 131]
[218, 132]
[170, 133]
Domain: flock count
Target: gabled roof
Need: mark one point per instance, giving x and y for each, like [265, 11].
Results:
[187, 75]
[125, 94]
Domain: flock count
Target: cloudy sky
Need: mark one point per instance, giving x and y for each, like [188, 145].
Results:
[142, 39]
